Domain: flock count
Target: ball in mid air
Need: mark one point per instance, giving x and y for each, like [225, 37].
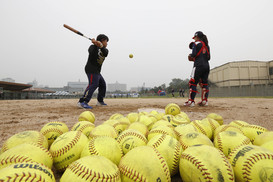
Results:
[131, 55]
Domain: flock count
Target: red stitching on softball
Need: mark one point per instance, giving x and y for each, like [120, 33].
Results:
[68, 146]
[198, 164]
[228, 165]
[250, 162]
[140, 136]
[80, 170]
[130, 173]
[52, 130]
[200, 128]
[15, 159]
[220, 146]
[165, 166]
[159, 141]
[91, 148]
[82, 127]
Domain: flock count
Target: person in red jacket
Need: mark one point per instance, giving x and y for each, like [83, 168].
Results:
[97, 53]
[200, 56]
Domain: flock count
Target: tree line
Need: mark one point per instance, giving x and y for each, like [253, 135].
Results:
[175, 84]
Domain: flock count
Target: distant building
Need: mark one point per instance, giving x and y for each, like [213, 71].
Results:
[8, 80]
[138, 89]
[242, 73]
[112, 87]
[76, 87]
[34, 83]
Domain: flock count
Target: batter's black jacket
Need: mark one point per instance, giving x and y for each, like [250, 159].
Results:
[202, 59]
[95, 59]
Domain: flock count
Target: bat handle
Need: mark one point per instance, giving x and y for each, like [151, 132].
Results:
[87, 37]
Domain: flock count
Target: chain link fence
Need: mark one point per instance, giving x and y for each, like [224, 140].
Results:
[242, 91]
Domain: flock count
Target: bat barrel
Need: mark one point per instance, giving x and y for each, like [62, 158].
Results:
[73, 30]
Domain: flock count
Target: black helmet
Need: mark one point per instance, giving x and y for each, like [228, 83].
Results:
[198, 34]
[102, 37]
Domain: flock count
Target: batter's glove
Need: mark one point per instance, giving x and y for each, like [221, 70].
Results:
[191, 45]
[191, 58]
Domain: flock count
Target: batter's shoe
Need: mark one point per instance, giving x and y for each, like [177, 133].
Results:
[203, 103]
[101, 103]
[84, 105]
[189, 103]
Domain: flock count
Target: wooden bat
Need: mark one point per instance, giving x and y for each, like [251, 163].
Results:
[75, 31]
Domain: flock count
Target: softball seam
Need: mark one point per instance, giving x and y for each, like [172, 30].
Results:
[82, 171]
[69, 146]
[122, 136]
[228, 165]
[81, 128]
[200, 128]
[130, 173]
[199, 166]
[25, 177]
[52, 130]
[250, 162]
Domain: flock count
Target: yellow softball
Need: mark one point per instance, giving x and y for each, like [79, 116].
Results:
[204, 163]
[104, 146]
[103, 130]
[116, 124]
[172, 109]
[27, 171]
[183, 115]
[183, 129]
[116, 116]
[87, 116]
[91, 168]
[203, 127]
[161, 129]
[263, 138]
[212, 123]
[168, 117]
[142, 128]
[26, 152]
[52, 130]
[169, 148]
[131, 56]
[133, 117]
[251, 163]
[226, 141]
[29, 136]
[130, 139]
[146, 120]
[123, 123]
[268, 145]
[162, 123]
[144, 163]
[238, 123]
[253, 131]
[152, 117]
[216, 117]
[67, 148]
[83, 126]
[194, 138]
[226, 128]
[154, 112]
[178, 121]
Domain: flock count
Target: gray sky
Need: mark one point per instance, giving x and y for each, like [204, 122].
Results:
[35, 45]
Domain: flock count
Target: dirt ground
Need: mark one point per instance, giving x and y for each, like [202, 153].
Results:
[21, 115]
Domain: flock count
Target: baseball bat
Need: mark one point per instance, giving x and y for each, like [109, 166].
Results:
[76, 31]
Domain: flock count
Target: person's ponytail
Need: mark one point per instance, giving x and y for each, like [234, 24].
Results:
[205, 40]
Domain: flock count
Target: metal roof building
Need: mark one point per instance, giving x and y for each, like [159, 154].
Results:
[242, 73]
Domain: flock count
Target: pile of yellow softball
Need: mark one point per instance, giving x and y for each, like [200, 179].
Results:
[140, 146]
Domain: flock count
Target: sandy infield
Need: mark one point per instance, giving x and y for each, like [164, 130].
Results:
[20, 115]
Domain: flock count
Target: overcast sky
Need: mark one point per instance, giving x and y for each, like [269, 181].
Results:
[35, 45]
